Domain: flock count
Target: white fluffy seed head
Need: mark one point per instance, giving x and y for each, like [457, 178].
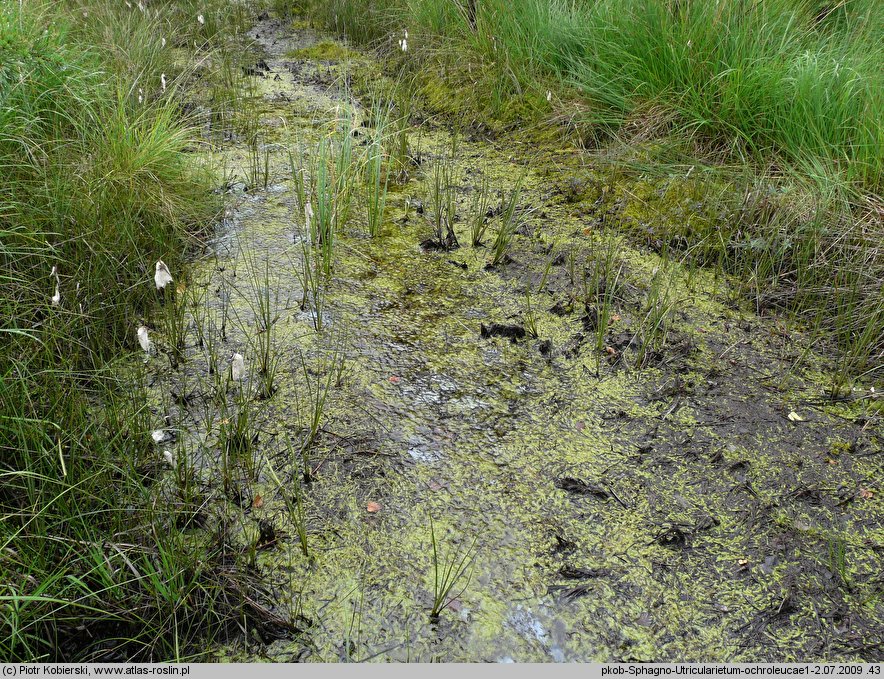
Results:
[238, 367]
[170, 460]
[158, 435]
[162, 277]
[144, 339]
[201, 19]
[56, 298]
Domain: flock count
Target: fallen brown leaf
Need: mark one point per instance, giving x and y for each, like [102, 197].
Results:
[258, 502]
[373, 507]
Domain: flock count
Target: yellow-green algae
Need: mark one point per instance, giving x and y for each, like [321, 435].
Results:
[703, 538]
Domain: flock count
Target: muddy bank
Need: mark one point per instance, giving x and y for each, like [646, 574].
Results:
[688, 494]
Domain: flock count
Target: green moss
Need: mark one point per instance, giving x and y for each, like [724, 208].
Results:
[324, 50]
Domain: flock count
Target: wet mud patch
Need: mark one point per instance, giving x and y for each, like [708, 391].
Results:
[633, 469]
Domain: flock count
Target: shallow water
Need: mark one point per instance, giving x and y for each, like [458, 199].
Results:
[607, 513]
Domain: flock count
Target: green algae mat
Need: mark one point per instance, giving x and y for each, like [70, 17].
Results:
[585, 452]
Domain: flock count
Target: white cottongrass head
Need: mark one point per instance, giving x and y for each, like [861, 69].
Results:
[162, 277]
[163, 81]
[158, 435]
[169, 458]
[144, 339]
[237, 367]
[140, 95]
[403, 44]
[162, 42]
[548, 95]
[201, 19]
[308, 215]
[56, 298]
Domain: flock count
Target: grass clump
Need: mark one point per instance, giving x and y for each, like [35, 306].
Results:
[796, 80]
[97, 187]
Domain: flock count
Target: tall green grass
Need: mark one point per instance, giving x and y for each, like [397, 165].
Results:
[795, 79]
[97, 185]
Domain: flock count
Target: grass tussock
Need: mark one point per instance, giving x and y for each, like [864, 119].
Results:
[97, 186]
[795, 79]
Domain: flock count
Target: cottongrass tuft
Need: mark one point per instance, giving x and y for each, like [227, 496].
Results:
[144, 339]
[237, 367]
[56, 298]
[308, 215]
[162, 277]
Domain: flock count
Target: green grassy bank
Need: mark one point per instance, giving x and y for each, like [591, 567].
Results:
[795, 80]
[97, 184]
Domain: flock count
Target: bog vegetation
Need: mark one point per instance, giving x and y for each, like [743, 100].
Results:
[768, 115]
[97, 184]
